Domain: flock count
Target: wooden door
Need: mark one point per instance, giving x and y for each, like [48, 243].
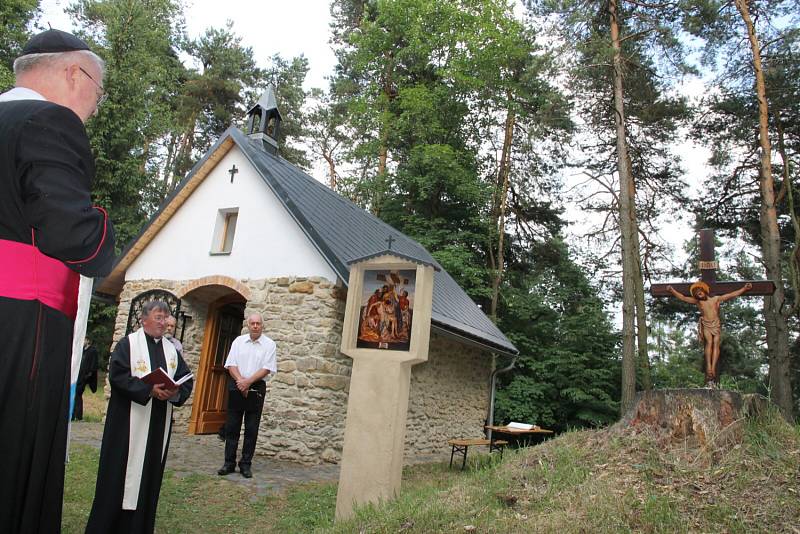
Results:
[223, 326]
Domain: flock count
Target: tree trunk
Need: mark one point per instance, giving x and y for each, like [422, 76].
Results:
[503, 182]
[145, 156]
[183, 153]
[626, 216]
[331, 170]
[777, 328]
[168, 163]
[383, 149]
[794, 260]
[643, 356]
[704, 421]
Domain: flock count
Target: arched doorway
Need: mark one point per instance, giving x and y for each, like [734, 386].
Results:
[223, 325]
[135, 313]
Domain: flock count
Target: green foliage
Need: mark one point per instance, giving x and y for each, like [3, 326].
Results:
[677, 362]
[16, 17]
[652, 61]
[754, 47]
[102, 318]
[161, 116]
[6, 78]
[221, 83]
[431, 87]
[567, 372]
[212, 97]
[138, 41]
[288, 77]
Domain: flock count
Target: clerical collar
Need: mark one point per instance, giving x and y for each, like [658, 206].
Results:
[21, 93]
[155, 340]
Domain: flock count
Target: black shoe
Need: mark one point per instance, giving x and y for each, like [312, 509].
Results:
[226, 470]
[246, 473]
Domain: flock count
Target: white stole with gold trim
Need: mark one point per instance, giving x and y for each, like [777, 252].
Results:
[140, 416]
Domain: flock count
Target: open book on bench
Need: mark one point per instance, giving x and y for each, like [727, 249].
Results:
[159, 376]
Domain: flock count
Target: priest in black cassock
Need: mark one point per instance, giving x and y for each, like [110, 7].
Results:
[87, 376]
[138, 426]
[50, 233]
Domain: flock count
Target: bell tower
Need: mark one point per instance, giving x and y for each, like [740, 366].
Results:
[264, 121]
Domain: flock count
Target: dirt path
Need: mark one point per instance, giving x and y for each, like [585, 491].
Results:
[204, 455]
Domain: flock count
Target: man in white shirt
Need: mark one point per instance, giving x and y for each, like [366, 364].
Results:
[252, 358]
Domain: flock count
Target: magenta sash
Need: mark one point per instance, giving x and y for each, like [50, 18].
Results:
[27, 274]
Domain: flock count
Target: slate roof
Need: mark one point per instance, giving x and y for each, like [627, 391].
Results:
[344, 232]
[340, 230]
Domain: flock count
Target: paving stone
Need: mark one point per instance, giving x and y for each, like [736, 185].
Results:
[189, 454]
[205, 454]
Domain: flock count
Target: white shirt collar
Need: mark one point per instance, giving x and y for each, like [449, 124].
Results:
[251, 340]
[21, 93]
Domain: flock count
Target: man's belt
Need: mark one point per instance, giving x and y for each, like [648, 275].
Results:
[27, 274]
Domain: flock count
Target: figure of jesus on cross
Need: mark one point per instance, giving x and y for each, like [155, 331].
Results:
[709, 329]
[701, 293]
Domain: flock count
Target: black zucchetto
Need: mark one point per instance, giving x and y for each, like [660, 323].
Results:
[52, 41]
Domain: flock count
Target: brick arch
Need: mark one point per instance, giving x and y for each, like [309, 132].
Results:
[214, 280]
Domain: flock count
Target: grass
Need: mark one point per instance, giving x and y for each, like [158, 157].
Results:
[94, 403]
[583, 481]
[203, 503]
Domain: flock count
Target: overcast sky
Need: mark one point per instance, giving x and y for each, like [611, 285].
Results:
[289, 28]
[295, 27]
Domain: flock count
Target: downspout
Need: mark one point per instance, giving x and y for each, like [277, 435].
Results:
[492, 383]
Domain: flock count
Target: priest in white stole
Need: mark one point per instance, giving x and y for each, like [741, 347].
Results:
[137, 431]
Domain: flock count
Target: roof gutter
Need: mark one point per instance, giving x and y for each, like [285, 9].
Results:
[449, 332]
[492, 383]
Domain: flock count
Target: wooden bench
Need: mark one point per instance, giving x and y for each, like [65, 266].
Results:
[462, 445]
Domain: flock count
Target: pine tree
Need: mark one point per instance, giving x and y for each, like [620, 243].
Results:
[15, 19]
[567, 374]
[724, 24]
[616, 52]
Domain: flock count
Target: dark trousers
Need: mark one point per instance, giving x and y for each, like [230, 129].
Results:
[249, 409]
[77, 410]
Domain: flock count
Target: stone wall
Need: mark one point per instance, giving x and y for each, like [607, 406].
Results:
[307, 399]
[192, 335]
[449, 397]
[306, 405]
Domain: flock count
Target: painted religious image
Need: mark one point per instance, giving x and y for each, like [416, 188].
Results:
[387, 310]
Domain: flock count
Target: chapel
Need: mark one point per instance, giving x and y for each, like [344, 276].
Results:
[245, 231]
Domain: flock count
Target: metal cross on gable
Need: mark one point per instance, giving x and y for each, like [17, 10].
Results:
[389, 241]
[708, 274]
[233, 170]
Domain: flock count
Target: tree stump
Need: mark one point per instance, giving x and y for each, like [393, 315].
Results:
[705, 419]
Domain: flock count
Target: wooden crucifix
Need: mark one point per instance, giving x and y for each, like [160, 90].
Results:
[233, 170]
[708, 294]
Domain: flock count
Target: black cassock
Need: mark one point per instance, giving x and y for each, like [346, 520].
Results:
[49, 232]
[87, 377]
[107, 516]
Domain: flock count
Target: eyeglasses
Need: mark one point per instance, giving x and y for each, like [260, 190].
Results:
[103, 94]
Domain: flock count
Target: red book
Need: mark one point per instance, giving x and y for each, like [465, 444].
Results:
[159, 376]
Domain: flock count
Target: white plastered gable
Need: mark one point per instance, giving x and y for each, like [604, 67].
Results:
[268, 242]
